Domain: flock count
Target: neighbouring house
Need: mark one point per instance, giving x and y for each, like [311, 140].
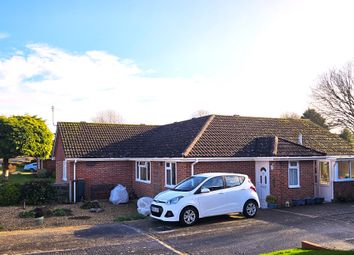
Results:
[288, 158]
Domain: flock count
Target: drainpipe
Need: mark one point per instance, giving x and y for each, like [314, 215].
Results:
[192, 166]
[75, 181]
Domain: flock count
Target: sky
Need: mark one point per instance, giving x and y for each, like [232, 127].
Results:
[157, 62]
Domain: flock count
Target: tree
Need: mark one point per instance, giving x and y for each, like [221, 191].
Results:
[23, 136]
[315, 117]
[200, 113]
[347, 135]
[108, 116]
[290, 115]
[333, 97]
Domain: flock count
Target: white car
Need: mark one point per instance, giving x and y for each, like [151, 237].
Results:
[206, 195]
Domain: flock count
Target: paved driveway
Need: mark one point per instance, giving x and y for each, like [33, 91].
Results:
[330, 224]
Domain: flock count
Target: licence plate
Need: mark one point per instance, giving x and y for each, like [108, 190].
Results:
[154, 209]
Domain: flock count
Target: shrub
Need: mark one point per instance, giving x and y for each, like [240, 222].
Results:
[38, 192]
[90, 204]
[26, 214]
[62, 212]
[10, 193]
[271, 199]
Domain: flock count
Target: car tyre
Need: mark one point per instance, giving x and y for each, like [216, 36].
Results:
[250, 209]
[189, 216]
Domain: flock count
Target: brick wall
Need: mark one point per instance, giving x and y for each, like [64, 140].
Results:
[279, 181]
[241, 167]
[344, 191]
[58, 172]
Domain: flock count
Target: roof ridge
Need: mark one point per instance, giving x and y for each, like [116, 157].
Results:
[301, 145]
[106, 124]
[199, 135]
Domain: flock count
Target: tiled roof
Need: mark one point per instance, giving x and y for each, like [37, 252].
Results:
[209, 136]
[91, 140]
[233, 136]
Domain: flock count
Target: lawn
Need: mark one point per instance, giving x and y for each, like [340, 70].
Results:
[308, 252]
[20, 177]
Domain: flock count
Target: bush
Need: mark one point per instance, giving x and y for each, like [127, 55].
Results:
[10, 194]
[38, 192]
[62, 212]
[271, 199]
[26, 214]
[44, 173]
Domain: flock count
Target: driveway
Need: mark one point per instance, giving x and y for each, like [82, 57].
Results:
[329, 224]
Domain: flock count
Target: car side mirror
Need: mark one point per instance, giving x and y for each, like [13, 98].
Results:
[204, 190]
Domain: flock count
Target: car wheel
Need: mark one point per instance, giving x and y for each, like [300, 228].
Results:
[189, 216]
[250, 209]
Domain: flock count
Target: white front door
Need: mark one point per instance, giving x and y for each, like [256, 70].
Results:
[262, 181]
[324, 183]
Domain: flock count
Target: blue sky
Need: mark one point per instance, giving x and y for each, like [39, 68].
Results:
[160, 61]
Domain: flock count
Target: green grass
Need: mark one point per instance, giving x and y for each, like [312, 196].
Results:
[23, 177]
[308, 252]
[129, 217]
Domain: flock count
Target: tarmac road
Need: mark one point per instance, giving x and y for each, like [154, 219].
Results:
[330, 224]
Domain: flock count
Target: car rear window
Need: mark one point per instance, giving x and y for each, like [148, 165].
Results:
[233, 180]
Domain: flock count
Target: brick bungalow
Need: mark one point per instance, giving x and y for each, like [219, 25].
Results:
[288, 158]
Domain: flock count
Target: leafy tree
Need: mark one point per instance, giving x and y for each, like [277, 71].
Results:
[23, 136]
[334, 97]
[347, 135]
[108, 116]
[315, 117]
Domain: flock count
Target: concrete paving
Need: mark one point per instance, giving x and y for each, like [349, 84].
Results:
[328, 224]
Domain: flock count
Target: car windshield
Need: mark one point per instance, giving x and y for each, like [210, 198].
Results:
[189, 183]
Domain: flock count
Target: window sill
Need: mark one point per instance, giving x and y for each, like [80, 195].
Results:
[345, 180]
[294, 187]
[142, 181]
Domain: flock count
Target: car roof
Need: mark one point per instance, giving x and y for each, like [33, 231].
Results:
[208, 175]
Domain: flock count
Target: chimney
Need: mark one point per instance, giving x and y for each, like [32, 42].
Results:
[299, 139]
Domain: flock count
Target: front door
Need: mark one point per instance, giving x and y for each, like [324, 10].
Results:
[262, 181]
[324, 184]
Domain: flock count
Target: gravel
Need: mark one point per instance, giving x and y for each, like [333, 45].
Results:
[9, 219]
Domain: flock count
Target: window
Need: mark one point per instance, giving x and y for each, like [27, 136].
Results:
[143, 171]
[170, 174]
[345, 170]
[233, 181]
[294, 174]
[324, 173]
[215, 183]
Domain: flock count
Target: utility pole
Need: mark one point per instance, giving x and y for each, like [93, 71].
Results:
[53, 116]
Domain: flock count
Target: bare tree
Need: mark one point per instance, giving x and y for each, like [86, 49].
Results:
[108, 116]
[333, 97]
[290, 115]
[200, 113]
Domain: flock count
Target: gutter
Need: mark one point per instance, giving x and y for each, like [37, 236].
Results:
[192, 166]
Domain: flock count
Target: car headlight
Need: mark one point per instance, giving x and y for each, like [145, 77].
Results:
[174, 200]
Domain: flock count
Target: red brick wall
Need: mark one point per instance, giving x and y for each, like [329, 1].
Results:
[279, 181]
[241, 167]
[59, 150]
[58, 172]
[344, 191]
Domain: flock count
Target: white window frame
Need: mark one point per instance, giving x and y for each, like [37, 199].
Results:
[138, 168]
[170, 169]
[297, 167]
[350, 172]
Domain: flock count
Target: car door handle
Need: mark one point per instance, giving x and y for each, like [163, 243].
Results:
[221, 193]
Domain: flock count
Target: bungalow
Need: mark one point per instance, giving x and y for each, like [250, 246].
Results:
[288, 158]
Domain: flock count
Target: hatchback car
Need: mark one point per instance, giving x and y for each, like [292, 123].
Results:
[31, 167]
[205, 195]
